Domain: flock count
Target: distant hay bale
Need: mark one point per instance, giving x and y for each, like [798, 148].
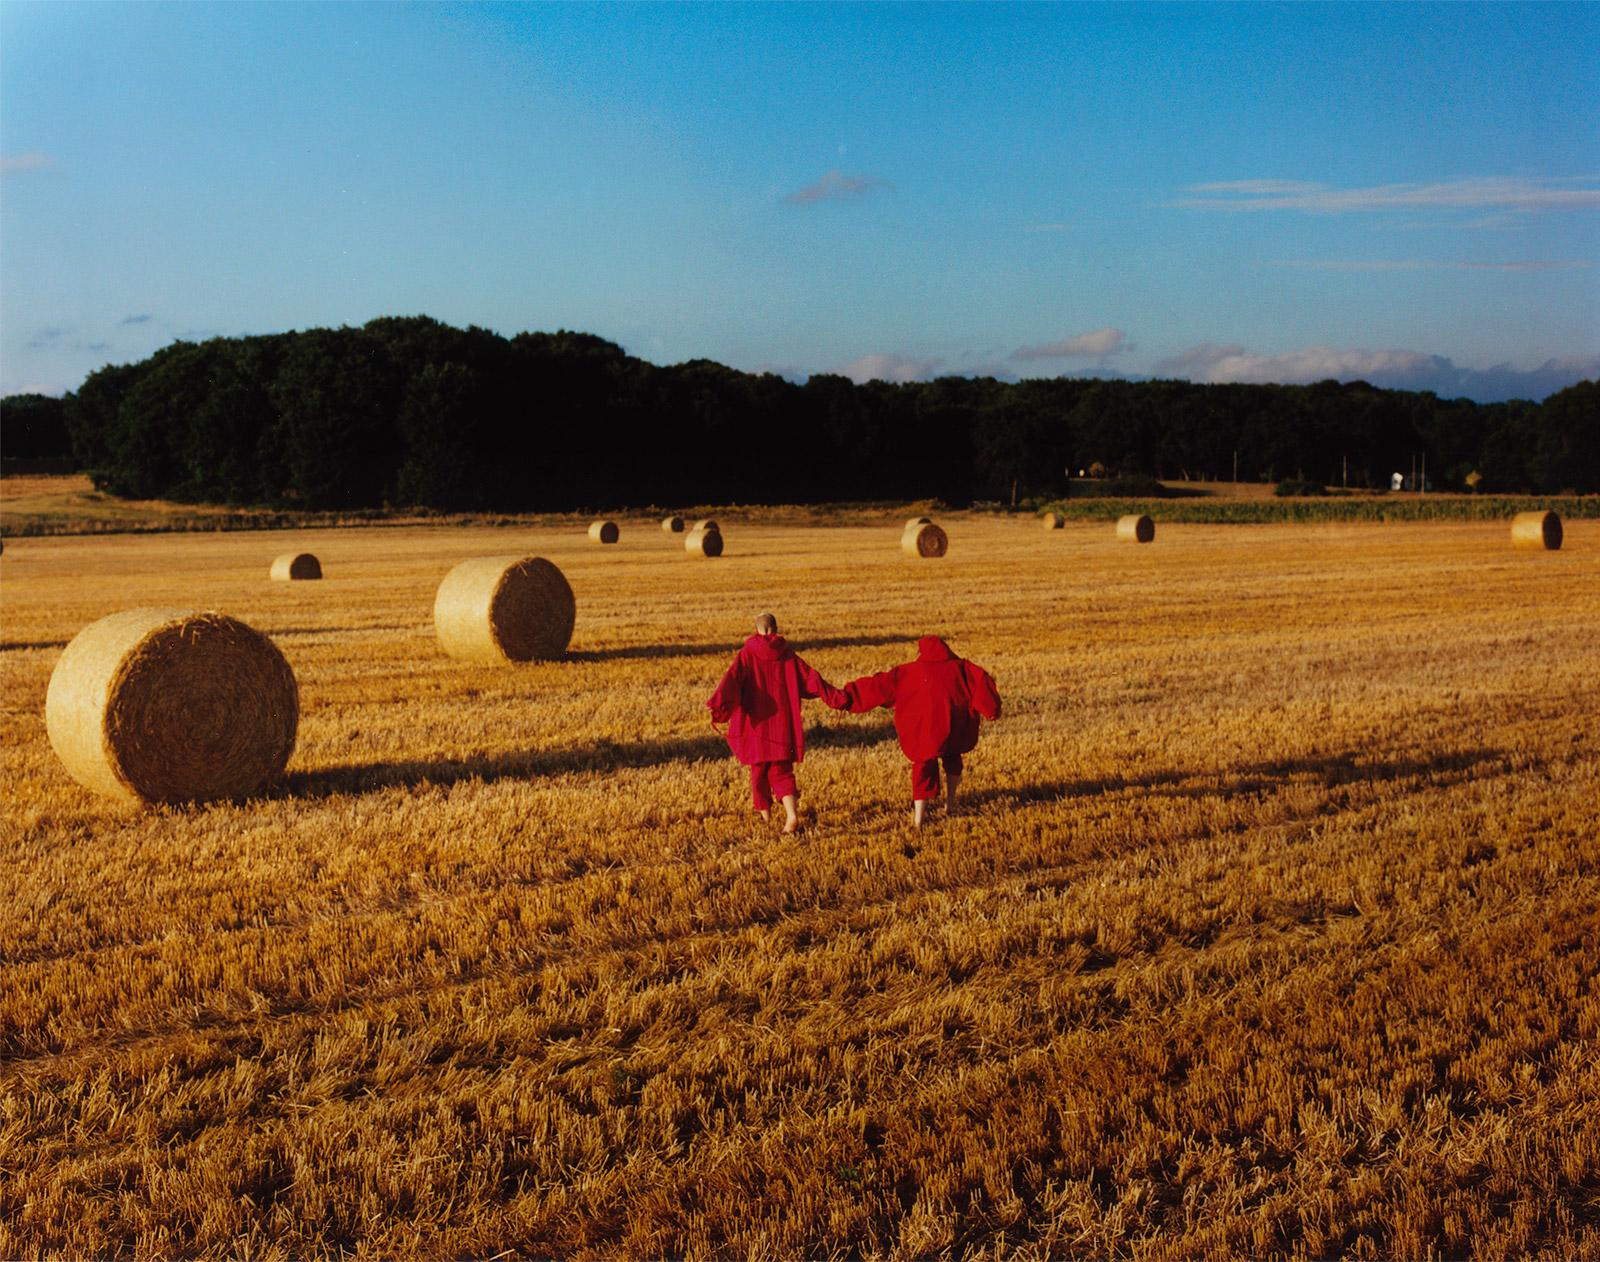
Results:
[704, 542]
[604, 532]
[293, 566]
[1052, 521]
[1536, 530]
[504, 609]
[166, 705]
[1136, 528]
[924, 540]
[672, 525]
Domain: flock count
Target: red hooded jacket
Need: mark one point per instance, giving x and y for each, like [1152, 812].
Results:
[759, 699]
[937, 700]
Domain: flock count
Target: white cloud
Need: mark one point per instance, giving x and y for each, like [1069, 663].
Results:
[892, 368]
[1395, 369]
[836, 186]
[1495, 193]
[22, 163]
[1107, 341]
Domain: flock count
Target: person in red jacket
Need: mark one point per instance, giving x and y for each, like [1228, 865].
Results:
[759, 699]
[938, 702]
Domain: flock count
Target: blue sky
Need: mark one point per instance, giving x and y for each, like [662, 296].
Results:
[1404, 193]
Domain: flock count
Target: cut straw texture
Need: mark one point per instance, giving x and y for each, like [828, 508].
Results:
[1536, 530]
[1052, 521]
[167, 705]
[604, 532]
[705, 540]
[504, 609]
[1136, 528]
[921, 538]
[672, 525]
[294, 566]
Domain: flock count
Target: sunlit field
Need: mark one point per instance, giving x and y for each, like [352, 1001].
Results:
[1269, 925]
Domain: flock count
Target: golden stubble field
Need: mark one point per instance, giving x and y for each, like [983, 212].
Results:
[1271, 926]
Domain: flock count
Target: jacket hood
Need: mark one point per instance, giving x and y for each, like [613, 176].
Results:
[930, 648]
[768, 646]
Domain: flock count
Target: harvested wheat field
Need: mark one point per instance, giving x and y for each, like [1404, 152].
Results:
[1270, 926]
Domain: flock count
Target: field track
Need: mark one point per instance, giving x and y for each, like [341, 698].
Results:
[1270, 927]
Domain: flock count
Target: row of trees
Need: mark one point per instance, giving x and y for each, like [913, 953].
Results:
[409, 411]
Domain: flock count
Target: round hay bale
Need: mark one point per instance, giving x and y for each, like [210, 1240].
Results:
[293, 566]
[1136, 528]
[926, 540]
[504, 609]
[672, 525]
[704, 543]
[705, 523]
[1052, 521]
[604, 532]
[1536, 530]
[167, 705]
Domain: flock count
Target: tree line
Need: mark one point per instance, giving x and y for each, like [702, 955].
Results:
[413, 412]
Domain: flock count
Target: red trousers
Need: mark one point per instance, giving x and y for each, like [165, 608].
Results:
[925, 776]
[769, 780]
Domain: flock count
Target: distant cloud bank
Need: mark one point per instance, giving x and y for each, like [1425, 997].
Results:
[836, 186]
[1433, 265]
[1392, 369]
[1519, 195]
[1093, 345]
[896, 369]
[21, 163]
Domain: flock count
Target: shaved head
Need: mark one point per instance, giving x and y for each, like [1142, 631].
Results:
[766, 624]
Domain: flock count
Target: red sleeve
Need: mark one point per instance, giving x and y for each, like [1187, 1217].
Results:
[813, 684]
[985, 696]
[724, 700]
[870, 691]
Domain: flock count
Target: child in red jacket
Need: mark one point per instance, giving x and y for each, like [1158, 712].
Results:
[938, 701]
[759, 699]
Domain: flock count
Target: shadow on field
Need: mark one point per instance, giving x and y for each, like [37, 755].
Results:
[527, 764]
[1331, 771]
[710, 650]
[8, 646]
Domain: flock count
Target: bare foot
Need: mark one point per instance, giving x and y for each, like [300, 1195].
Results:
[792, 827]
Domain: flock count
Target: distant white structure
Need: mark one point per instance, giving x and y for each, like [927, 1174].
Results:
[1397, 481]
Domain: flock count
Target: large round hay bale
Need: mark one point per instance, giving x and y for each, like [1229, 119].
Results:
[1536, 530]
[704, 543]
[672, 525]
[1052, 521]
[705, 523]
[504, 609]
[604, 532]
[1136, 528]
[925, 540]
[293, 566]
[166, 705]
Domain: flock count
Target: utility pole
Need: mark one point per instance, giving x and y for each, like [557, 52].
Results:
[1423, 485]
[1235, 464]
[1344, 472]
